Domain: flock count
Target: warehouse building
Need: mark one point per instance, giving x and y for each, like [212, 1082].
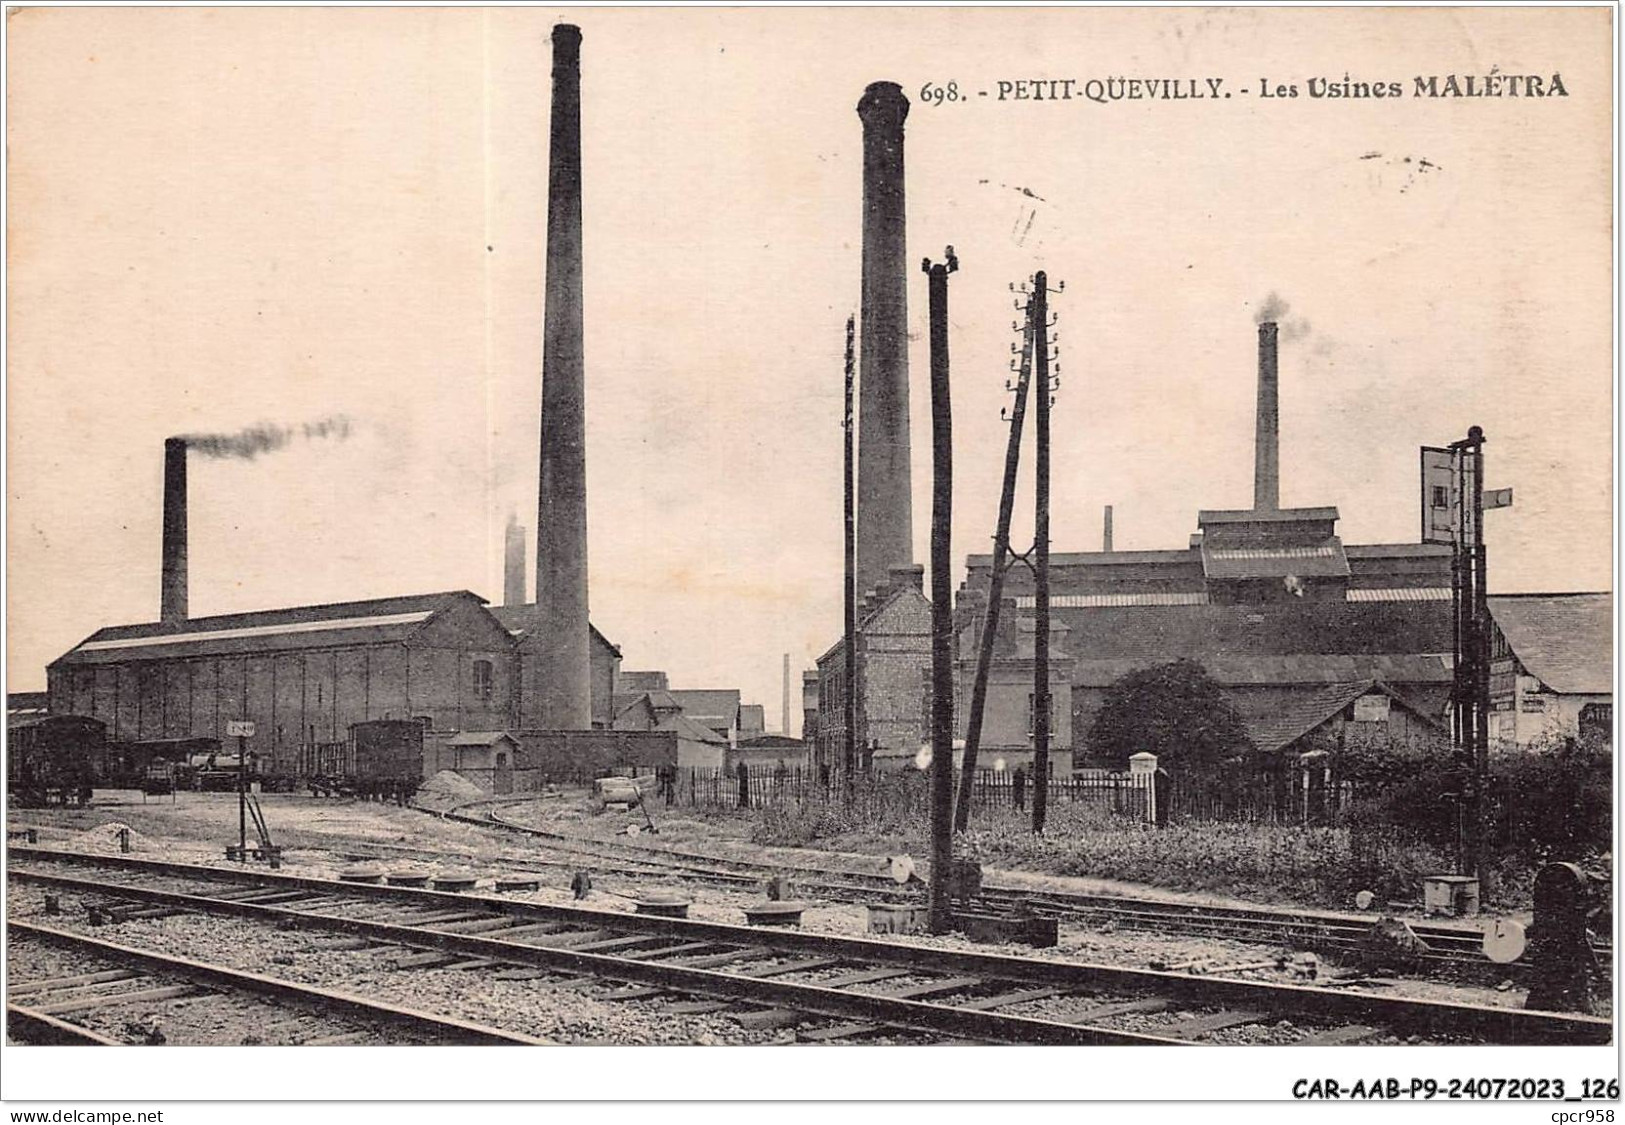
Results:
[303, 675]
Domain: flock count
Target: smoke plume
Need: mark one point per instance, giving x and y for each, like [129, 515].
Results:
[1273, 308]
[264, 437]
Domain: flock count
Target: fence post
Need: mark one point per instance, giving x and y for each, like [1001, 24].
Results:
[1142, 767]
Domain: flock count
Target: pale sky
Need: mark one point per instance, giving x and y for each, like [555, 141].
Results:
[220, 218]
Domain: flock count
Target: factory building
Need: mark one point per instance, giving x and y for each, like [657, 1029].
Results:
[1006, 741]
[1551, 667]
[1293, 623]
[304, 675]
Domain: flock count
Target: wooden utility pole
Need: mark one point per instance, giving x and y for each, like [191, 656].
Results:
[942, 670]
[849, 657]
[1039, 307]
[995, 592]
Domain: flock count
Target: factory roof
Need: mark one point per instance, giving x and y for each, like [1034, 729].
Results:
[1322, 560]
[1264, 515]
[522, 619]
[1293, 670]
[375, 621]
[691, 729]
[1563, 640]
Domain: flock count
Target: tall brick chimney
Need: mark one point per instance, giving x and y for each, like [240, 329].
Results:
[563, 669]
[1267, 452]
[885, 519]
[172, 597]
[1106, 532]
[513, 563]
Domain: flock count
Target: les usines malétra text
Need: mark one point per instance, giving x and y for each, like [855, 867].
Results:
[1123, 88]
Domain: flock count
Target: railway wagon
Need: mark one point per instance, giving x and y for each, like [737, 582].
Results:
[382, 759]
[53, 759]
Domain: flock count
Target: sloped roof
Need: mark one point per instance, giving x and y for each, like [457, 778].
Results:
[700, 704]
[522, 619]
[1273, 723]
[1564, 640]
[375, 621]
[685, 727]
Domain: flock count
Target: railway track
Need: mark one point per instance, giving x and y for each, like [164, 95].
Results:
[1454, 948]
[831, 988]
[128, 994]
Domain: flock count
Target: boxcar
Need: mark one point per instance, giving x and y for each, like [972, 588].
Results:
[53, 759]
[382, 759]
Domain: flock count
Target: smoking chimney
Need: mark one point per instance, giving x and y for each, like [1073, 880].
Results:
[172, 598]
[513, 563]
[563, 671]
[1106, 532]
[1267, 455]
[885, 531]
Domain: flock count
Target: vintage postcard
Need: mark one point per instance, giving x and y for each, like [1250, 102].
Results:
[1070, 528]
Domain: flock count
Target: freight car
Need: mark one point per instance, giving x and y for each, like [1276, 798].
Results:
[382, 760]
[53, 759]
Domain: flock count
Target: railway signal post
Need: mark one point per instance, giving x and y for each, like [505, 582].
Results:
[243, 731]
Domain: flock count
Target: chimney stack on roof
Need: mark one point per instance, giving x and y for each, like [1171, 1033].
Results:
[563, 662]
[1267, 452]
[172, 596]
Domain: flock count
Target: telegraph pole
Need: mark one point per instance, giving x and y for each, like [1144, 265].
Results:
[995, 592]
[1041, 695]
[849, 661]
[942, 670]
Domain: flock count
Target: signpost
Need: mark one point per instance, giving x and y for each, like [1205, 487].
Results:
[242, 730]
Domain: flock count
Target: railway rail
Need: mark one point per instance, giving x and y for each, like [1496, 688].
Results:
[833, 988]
[54, 1010]
[1453, 948]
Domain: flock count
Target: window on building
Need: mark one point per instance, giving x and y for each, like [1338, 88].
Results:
[483, 686]
[1441, 496]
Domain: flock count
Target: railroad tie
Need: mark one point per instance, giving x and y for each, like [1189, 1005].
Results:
[116, 999]
[1008, 999]
[669, 951]
[535, 928]
[619, 943]
[430, 959]
[54, 984]
[487, 924]
[868, 976]
[804, 965]
[838, 1031]
[700, 1007]
[1214, 1021]
[1106, 1011]
[1332, 1036]
[936, 988]
[21, 1021]
[750, 953]
[768, 1019]
[641, 992]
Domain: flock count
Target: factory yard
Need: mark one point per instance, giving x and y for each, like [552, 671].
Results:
[324, 838]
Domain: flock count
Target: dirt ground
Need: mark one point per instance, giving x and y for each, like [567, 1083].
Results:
[321, 837]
